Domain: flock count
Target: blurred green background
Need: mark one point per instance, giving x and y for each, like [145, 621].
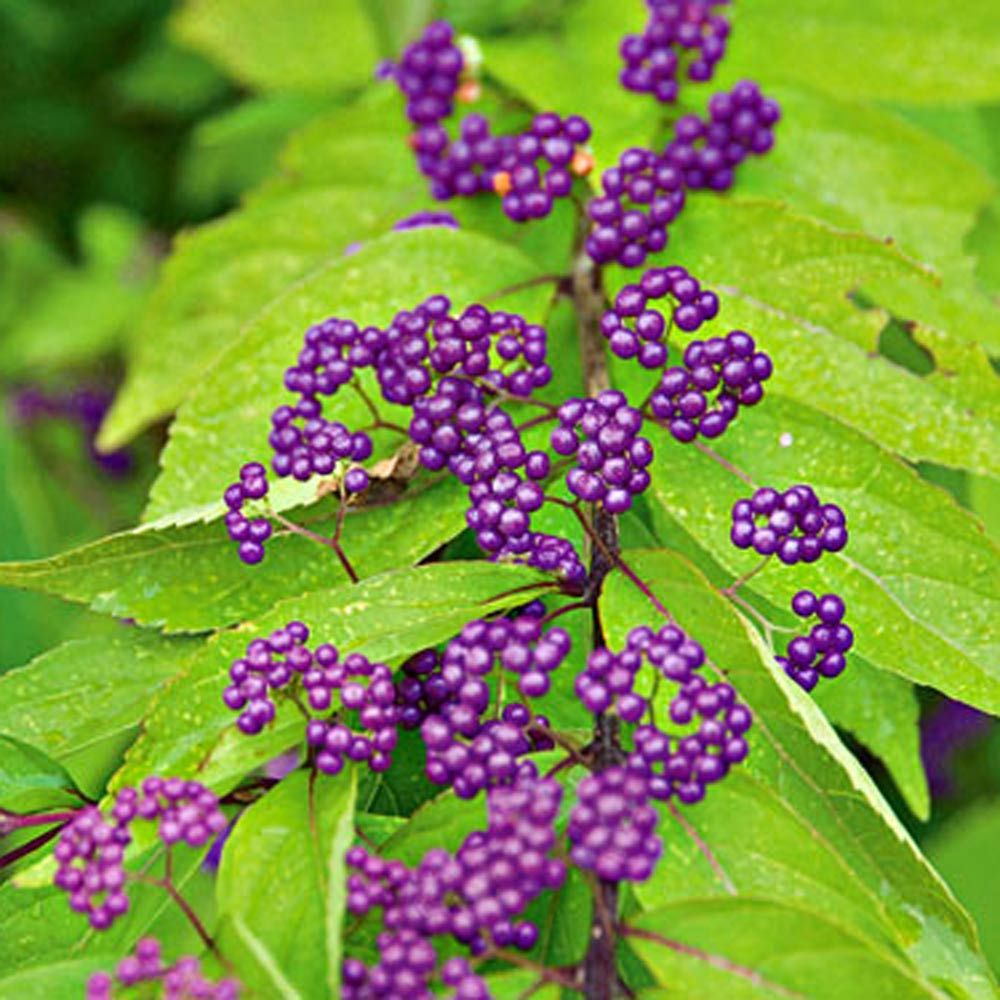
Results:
[116, 131]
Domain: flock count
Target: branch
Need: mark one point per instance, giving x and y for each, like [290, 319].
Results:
[600, 972]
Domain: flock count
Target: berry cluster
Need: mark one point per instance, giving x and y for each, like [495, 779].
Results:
[821, 653]
[608, 682]
[740, 124]
[683, 766]
[428, 74]
[674, 28]
[304, 443]
[636, 330]
[475, 355]
[793, 524]
[640, 197]
[181, 981]
[602, 433]
[679, 764]
[462, 750]
[732, 365]
[251, 533]
[612, 827]
[91, 849]
[269, 665]
[529, 170]
[483, 448]
[541, 166]
[282, 661]
[474, 896]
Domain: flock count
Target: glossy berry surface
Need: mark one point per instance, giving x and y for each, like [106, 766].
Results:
[718, 378]
[330, 686]
[612, 827]
[637, 326]
[639, 199]
[740, 124]
[428, 74]
[793, 524]
[602, 435]
[90, 851]
[474, 896]
[821, 653]
[680, 35]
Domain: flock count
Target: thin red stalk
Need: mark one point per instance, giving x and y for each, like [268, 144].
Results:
[706, 851]
[9, 822]
[716, 961]
[724, 462]
[745, 578]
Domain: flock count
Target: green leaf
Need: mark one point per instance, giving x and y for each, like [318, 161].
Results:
[860, 167]
[340, 147]
[30, 781]
[226, 420]
[799, 828]
[887, 50]
[190, 579]
[962, 851]
[881, 711]
[984, 242]
[518, 982]
[291, 45]
[220, 276]
[238, 148]
[919, 577]
[59, 979]
[444, 821]
[754, 948]
[79, 701]
[300, 829]
[37, 927]
[191, 732]
[799, 267]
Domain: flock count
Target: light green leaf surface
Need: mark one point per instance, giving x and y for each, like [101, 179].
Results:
[859, 167]
[30, 780]
[81, 700]
[227, 419]
[919, 576]
[906, 50]
[754, 948]
[189, 579]
[799, 828]
[300, 829]
[291, 45]
[189, 730]
[960, 850]
[798, 266]
[880, 710]
[58, 979]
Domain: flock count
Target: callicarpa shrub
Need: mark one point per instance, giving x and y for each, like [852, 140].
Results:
[485, 693]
